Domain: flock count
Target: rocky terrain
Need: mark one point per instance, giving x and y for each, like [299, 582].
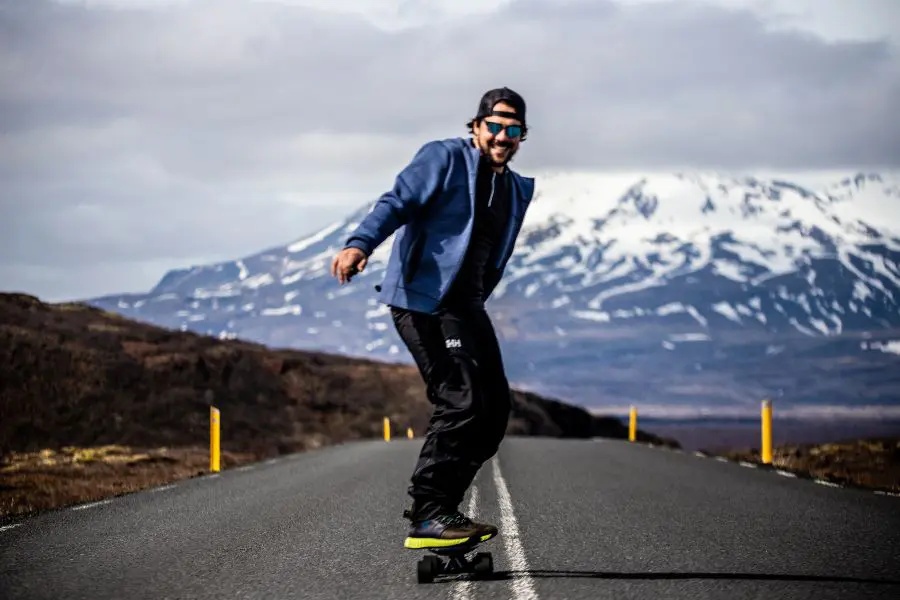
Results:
[92, 403]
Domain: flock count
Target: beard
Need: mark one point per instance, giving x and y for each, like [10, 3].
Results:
[488, 152]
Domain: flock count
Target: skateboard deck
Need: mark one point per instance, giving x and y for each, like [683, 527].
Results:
[429, 567]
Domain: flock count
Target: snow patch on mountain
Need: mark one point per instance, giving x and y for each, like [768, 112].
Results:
[868, 200]
[304, 243]
[690, 337]
[591, 315]
[290, 309]
[891, 347]
[725, 309]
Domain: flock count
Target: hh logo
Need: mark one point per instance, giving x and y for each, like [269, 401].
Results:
[454, 343]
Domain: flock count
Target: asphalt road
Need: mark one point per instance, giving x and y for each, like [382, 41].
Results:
[579, 519]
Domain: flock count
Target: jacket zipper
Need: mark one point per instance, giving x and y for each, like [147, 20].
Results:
[491, 197]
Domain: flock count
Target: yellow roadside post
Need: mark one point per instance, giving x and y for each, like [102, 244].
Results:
[767, 432]
[632, 425]
[387, 429]
[214, 437]
[409, 433]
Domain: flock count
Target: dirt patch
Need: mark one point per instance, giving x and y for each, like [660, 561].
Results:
[31, 482]
[869, 463]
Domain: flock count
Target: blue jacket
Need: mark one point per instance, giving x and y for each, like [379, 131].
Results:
[432, 204]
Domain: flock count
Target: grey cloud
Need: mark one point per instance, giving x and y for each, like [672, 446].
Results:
[181, 125]
[252, 72]
[211, 81]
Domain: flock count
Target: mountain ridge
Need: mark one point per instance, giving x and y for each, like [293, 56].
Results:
[673, 264]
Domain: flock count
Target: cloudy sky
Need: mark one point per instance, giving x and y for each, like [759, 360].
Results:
[138, 135]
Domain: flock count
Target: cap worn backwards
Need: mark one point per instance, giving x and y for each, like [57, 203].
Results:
[490, 99]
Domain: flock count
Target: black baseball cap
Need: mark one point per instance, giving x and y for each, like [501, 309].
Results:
[503, 94]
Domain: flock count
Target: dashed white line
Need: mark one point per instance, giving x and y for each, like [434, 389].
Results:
[91, 505]
[883, 493]
[721, 459]
[828, 483]
[522, 586]
[700, 454]
[747, 464]
[463, 589]
[5, 527]
[163, 488]
[244, 468]
[785, 473]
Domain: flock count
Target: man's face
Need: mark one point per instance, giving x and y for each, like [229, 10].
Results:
[498, 147]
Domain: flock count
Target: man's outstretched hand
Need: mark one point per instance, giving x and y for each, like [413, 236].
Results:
[347, 263]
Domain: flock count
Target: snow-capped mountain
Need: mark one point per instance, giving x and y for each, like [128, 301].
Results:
[719, 252]
[634, 274]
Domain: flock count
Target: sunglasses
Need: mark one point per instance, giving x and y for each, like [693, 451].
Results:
[512, 131]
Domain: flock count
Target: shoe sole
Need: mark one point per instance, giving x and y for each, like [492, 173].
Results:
[418, 543]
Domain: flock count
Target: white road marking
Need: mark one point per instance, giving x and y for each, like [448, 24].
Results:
[463, 589]
[271, 461]
[879, 492]
[163, 488]
[91, 505]
[244, 468]
[828, 483]
[5, 527]
[721, 459]
[785, 473]
[748, 465]
[700, 454]
[521, 584]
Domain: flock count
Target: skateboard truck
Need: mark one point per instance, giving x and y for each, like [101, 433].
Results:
[430, 567]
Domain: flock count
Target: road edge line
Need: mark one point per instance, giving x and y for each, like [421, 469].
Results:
[800, 475]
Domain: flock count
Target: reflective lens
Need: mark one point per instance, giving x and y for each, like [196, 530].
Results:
[512, 131]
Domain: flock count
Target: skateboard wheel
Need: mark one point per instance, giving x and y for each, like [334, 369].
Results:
[428, 567]
[483, 564]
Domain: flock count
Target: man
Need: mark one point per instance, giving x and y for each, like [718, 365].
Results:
[459, 209]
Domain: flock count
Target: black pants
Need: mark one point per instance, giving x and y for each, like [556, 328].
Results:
[459, 359]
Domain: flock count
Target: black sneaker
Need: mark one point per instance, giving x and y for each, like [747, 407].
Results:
[448, 530]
